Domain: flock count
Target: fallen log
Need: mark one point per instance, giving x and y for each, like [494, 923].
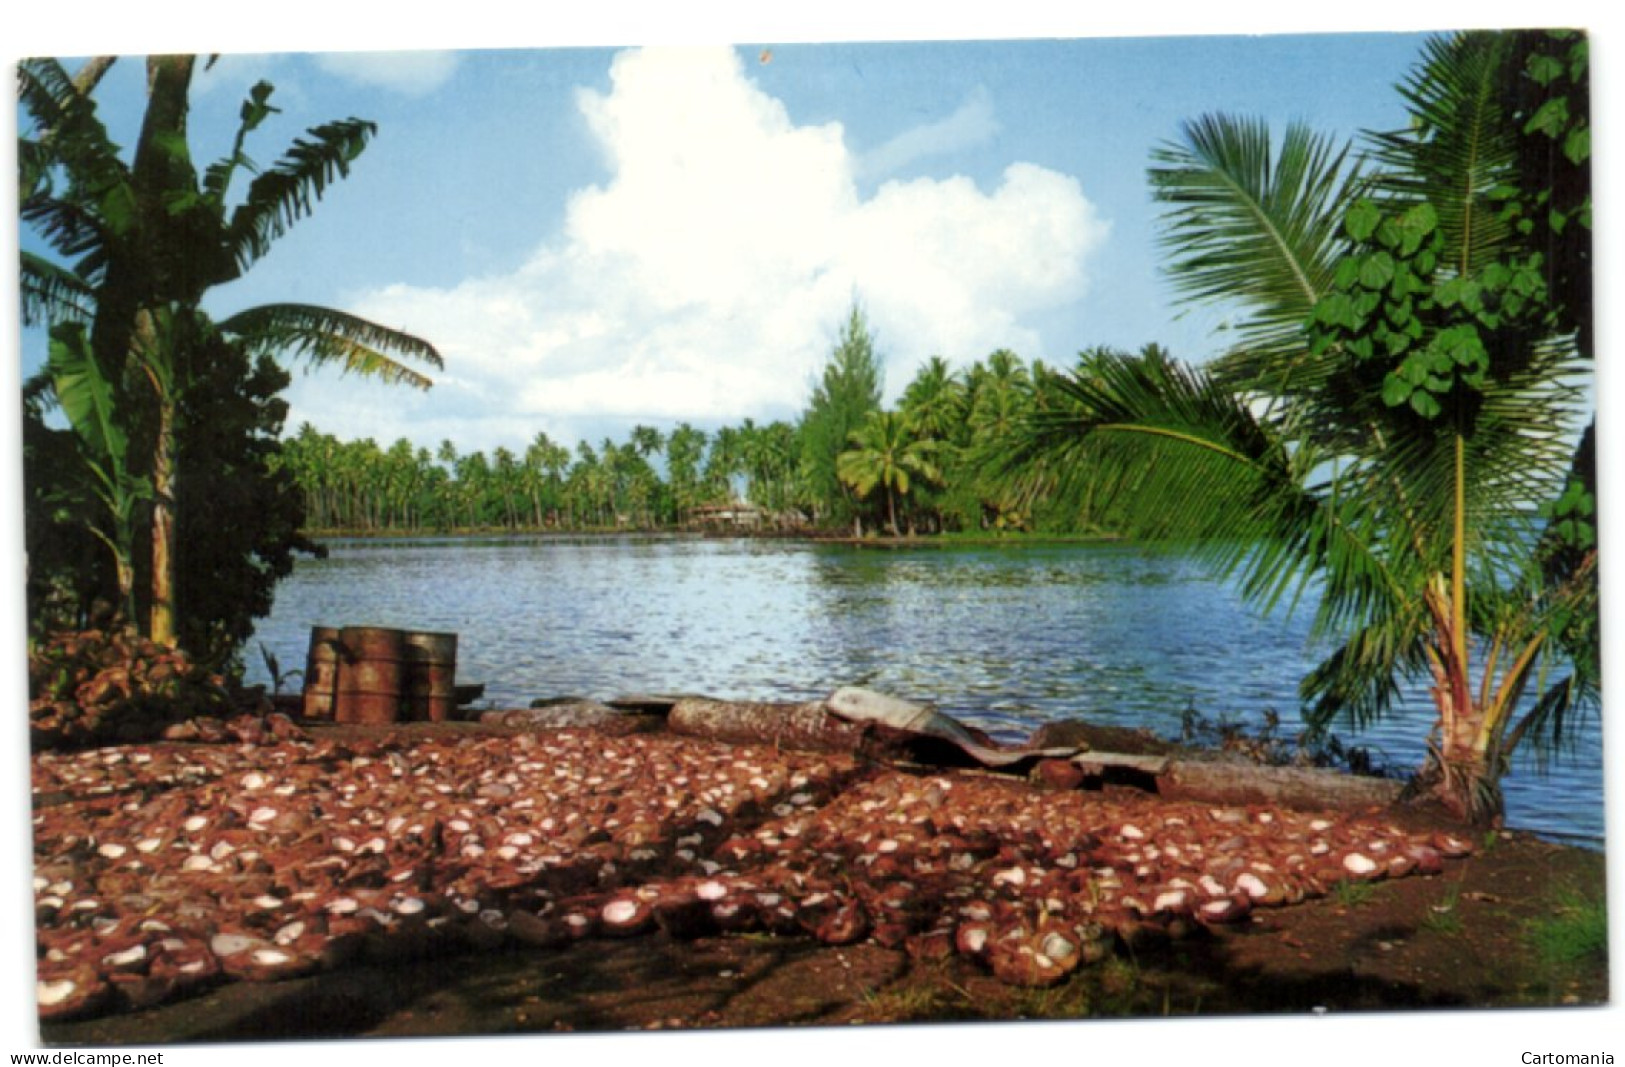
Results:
[805, 725]
[1226, 782]
[867, 724]
[573, 712]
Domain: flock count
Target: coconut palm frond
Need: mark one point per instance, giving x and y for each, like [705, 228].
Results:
[1170, 455]
[1250, 224]
[54, 294]
[1548, 723]
[324, 336]
[54, 100]
[1360, 681]
[65, 131]
[70, 141]
[75, 231]
[1459, 151]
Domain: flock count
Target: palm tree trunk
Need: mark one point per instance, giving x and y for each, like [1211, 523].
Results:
[1464, 769]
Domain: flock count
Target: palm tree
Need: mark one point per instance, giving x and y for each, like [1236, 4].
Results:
[544, 461]
[506, 475]
[885, 453]
[1404, 393]
[646, 440]
[1002, 396]
[146, 240]
[778, 449]
[684, 448]
[724, 460]
[936, 400]
[1000, 399]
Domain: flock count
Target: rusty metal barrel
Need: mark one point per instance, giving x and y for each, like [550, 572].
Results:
[371, 674]
[429, 692]
[322, 673]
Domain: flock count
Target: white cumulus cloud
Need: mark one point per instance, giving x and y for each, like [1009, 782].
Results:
[707, 277]
[409, 73]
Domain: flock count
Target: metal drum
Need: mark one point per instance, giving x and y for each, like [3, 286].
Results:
[371, 674]
[321, 673]
[429, 691]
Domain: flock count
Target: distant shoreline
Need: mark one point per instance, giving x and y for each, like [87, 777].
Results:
[826, 537]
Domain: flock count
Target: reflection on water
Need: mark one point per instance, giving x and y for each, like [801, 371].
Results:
[1003, 638]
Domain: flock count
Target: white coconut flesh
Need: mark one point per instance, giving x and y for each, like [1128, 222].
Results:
[230, 944]
[621, 912]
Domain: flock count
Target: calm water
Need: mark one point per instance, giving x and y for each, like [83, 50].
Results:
[1003, 638]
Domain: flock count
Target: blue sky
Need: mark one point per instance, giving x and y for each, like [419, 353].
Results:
[597, 237]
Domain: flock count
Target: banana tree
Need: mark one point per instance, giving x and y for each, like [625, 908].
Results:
[86, 399]
[145, 241]
[1397, 429]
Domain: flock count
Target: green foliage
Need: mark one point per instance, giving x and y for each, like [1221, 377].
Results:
[685, 446]
[239, 515]
[1444, 918]
[885, 453]
[1257, 223]
[1167, 453]
[1351, 894]
[361, 486]
[1406, 389]
[143, 242]
[844, 395]
[69, 565]
[1552, 164]
[86, 397]
[1576, 934]
[937, 401]
[324, 336]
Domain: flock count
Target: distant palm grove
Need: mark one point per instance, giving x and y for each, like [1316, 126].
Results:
[846, 465]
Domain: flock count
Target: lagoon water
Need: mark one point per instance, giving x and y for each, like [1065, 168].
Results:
[1005, 638]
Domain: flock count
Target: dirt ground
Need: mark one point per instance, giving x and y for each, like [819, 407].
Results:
[1468, 938]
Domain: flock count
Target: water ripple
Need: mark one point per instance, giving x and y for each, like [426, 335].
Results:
[1003, 638]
